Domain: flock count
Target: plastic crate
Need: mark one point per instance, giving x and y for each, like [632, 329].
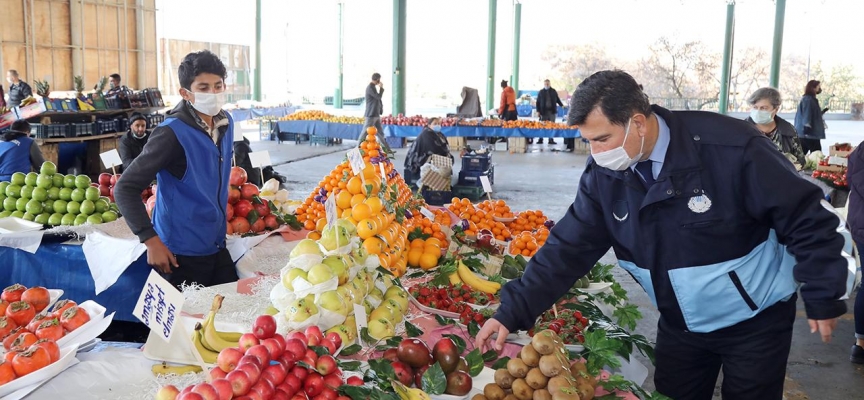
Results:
[153, 120]
[102, 127]
[437, 197]
[476, 162]
[395, 142]
[472, 193]
[314, 139]
[85, 129]
[70, 105]
[472, 178]
[53, 131]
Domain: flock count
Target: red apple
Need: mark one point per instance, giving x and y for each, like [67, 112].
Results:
[314, 384]
[404, 373]
[264, 388]
[335, 338]
[275, 374]
[274, 348]
[326, 365]
[280, 395]
[252, 371]
[249, 359]
[314, 330]
[247, 340]
[390, 355]
[292, 383]
[296, 335]
[104, 190]
[187, 389]
[343, 398]
[223, 387]
[333, 381]
[260, 351]
[216, 373]
[168, 392]
[228, 359]
[104, 179]
[238, 176]
[281, 339]
[248, 191]
[310, 358]
[354, 380]
[115, 178]
[207, 391]
[418, 375]
[191, 396]
[297, 347]
[329, 345]
[300, 373]
[287, 359]
[300, 396]
[265, 325]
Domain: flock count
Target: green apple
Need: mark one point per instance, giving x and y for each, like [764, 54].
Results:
[91, 193]
[78, 195]
[399, 295]
[368, 278]
[9, 204]
[360, 286]
[300, 310]
[42, 218]
[18, 178]
[33, 207]
[334, 237]
[69, 181]
[376, 294]
[73, 208]
[17, 214]
[60, 206]
[30, 179]
[67, 220]
[94, 219]
[395, 308]
[45, 181]
[360, 255]
[40, 194]
[48, 168]
[54, 219]
[343, 333]
[65, 194]
[3, 186]
[380, 328]
[57, 180]
[88, 208]
[80, 220]
[289, 277]
[13, 190]
[54, 193]
[26, 192]
[21, 204]
[109, 216]
[48, 206]
[305, 246]
[347, 293]
[339, 266]
[28, 217]
[347, 225]
[331, 300]
[2, 199]
[5, 214]
[368, 306]
[385, 313]
[101, 205]
[82, 182]
[319, 273]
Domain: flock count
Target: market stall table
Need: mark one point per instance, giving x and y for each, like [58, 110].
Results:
[240, 115]
[351, 132]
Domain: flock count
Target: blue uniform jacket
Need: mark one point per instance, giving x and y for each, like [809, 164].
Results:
[727, 230]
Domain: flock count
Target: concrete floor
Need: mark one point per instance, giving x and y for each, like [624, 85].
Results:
[547, 180]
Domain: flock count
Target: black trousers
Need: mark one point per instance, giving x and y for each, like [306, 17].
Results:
[209, 270]
[752, 353]
[809, 145]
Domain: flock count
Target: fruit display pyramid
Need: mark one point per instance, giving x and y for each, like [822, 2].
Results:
[375, 204]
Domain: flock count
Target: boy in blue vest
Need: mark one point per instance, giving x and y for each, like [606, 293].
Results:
[189, 155]
[18, 152]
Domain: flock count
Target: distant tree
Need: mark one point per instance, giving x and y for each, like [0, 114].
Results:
[683, 70]
[793, 78]
[573, 63]
[841, 83]
[750, 67]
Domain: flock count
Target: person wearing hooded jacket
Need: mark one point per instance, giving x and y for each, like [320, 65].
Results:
[132, 143]
[713, 222]
[189, 155]
[430, 141]
[18, 152]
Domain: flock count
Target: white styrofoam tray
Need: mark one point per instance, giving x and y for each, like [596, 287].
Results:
[67, 355]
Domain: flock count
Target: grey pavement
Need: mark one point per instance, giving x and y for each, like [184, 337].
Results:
[547, 180]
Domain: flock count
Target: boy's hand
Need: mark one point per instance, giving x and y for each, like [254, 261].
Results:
[159, 256]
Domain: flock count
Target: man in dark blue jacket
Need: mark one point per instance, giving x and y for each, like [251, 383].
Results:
[189, 155]
[715, 224]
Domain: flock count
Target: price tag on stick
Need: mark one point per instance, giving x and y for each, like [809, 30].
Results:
[330, 211]
[426, 213]
[487, 186]
[260, 159]
[355, 159]
[111, 159]
[360, 318]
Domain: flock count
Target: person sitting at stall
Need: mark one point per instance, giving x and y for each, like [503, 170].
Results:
[132, 143]
[18, 152]
[430, 141]
[765, 103]
[242, 148]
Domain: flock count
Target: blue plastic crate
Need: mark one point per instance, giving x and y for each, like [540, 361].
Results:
[476, 162]
[437, 197]
[85, 129]
[395, 142]
[524, 110]
[102, 127]
[53, 131]
[472, 178]
[315, 139]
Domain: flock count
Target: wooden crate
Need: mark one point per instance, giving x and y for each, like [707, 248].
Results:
[517, 145]
[456, 143]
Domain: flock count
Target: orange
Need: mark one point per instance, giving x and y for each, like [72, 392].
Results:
[355, 185]
[366, 229]
[370, 172]
[375, 204]
[371, 131]
[346, 213]
[314, 235]
[319, 226]
[433, 242]
[343, 199]
[357, 199]
[373, 245]
[414, 257]
[361, 211]
[309, 225]
[428, 260]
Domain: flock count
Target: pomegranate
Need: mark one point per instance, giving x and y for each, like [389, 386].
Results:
[233, 194]
[258, 226]
[240, 225]
[242, 208]
[238, 176]
[248, 191]
[271, 222]
[229, 212]
[263, 208]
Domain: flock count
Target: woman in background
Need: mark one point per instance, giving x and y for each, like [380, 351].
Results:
[808, 119]
[765, 103]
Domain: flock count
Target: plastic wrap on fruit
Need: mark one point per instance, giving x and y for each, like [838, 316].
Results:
[271, 186]
[280, 297]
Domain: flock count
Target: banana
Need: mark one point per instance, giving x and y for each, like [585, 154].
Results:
[475, 281]
[165, 369]
[213, 339]
[406, 393]
[454, 278]
[209, 356]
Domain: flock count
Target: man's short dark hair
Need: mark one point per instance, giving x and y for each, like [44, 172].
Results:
[20, 126]
[13, 72]
[376, 77]
[115, 76]
[201, 62]
[615, 92]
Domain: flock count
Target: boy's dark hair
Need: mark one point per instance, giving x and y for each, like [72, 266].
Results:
[503, 83]
[810, 89]
[17, 129]
[376, 77]
[201, 62]
[115, 76]
[615, 92]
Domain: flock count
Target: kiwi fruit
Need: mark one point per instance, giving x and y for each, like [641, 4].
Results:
[586, 378]
[511, 396]
[530, 356]
[479, 396]
[542, 394]
[586, 391]
[551, 365]
[536, 379]
[566, 394]
[493, 392]
[559, 382]
[517, 368]
[503, 378]
[577, 367]
[544, 342]
[522, 390]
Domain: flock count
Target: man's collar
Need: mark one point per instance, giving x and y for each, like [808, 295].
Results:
[658, 154]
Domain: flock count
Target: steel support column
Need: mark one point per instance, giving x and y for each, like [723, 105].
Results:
[399, 19]
[727, 57]
[777, 49]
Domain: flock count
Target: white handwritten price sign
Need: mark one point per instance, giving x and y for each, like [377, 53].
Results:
[330, 211]
[159, 306]
[111, 159]
[355, 159]
[259, 159]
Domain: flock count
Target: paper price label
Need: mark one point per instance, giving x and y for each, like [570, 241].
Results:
[111, 158]
[260, 159]
[426, 213]
[360, 317]
[383, 173]
[487, 186]
[159, 306]
[355, 159]
[330, 210]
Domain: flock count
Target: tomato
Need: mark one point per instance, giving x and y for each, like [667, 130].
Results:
[60, 306]
[37, 296]
[6, 326]
[50, 346]
[23, 341]
[3, 305]
[13, 293]
[50, 329]
[7, 341]
[7, 373]
[20, 312]
[31, 360]
[73, 318]
[37, 320]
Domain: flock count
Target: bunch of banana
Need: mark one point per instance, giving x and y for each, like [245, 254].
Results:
[27, 101]
[406, 393]
[211, 340]
[476, 282]
[4, 110]
[165, 369]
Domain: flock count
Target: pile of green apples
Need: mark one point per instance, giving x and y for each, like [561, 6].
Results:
[49, 198]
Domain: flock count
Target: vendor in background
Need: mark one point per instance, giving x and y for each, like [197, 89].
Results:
[190, 157]
[808, 120]
[507, 109]
[430, 141]
[132, 143]
[114, 84]
[547, 106]
[18, 153]
[855, 219]
[765, 103]
[18, 89]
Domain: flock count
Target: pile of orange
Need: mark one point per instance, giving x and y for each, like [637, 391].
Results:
[529, 220]
[527, 243]
[498, 208]
[481, 219]
[308, 115]
[425, 254]
[428, 227]
[442, 217]
[529, 124]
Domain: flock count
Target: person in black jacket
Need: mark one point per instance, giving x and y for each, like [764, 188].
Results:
[718, 228]
[374, 109]
[18, 89]
[855, 219]
[808, 119]
[547, 106]
[430, 141]
[132, 143]
[765, 103]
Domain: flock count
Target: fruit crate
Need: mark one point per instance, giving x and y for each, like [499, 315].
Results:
[315, 139]
[154, 120]
[476, 162]
[52, 131]
[395, 142]
[102, 127]
[85, 129]
[70, 105]
[472, 178]
[472, 193]
[437, 197]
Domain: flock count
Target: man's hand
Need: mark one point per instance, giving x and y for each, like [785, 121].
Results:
[159, 256]
[492, 326]
[824, 326]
